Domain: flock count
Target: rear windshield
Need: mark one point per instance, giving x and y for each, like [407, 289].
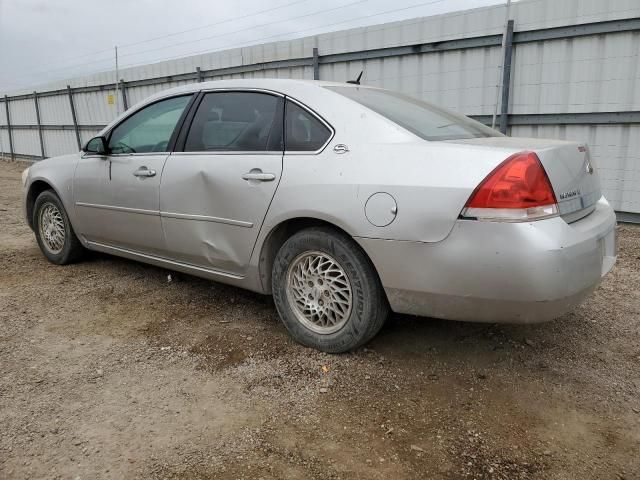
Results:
[421, 118]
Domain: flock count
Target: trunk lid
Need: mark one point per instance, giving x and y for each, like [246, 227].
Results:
[568, 165]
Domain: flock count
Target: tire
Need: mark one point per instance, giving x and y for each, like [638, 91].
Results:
[48, 210]
[319, 316]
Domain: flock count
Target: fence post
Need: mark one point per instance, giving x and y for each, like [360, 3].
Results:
[506, 79]
[40, 133]
[6, 106]
[199, 75]
[123, 87]
[316, 64]
[73, 116]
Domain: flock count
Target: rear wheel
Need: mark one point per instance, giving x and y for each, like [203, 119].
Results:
[56, 238]
[327, 293]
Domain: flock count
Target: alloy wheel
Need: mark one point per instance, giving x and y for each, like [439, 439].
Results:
[319, 292]
[52, 229]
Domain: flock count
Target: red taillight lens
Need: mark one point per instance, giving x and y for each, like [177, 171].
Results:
[518, 189]
[518, 182]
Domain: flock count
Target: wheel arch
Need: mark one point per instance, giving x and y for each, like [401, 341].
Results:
[281, 233]
[35, 189]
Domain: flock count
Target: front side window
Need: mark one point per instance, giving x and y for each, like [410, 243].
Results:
[150, 129]
[236, 121]
[421, 118]
[303, 131]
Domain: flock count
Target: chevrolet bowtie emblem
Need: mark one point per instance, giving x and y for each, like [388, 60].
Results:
[589, 168]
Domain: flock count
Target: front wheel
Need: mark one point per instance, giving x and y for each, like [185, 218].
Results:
[56, 238]
[327, 292]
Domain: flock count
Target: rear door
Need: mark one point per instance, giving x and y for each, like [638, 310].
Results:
[215, 192]
[117, 195]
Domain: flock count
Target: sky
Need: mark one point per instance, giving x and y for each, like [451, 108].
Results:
[48, 40]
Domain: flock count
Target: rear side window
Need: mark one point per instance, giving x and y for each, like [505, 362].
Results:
[236, 121]
[304, 132]
[421, 118]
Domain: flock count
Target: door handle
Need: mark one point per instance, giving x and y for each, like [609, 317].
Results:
[144, 172]
[257, 175]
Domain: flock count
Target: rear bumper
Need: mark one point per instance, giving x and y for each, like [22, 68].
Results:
[499, 272]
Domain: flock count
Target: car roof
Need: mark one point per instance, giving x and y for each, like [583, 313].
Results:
[287, 86]
[282, 85]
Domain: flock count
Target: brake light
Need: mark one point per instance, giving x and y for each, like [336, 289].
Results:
[516, 190]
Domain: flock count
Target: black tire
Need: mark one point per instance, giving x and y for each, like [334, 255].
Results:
[369, 306]
[71, 250]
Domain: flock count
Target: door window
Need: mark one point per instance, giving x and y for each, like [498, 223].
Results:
[236, 121]
[150, 129]
[303, 131]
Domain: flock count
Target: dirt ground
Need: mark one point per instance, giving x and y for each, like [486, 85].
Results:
[107, 370]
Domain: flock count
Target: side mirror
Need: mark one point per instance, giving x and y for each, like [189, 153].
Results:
[96, 146]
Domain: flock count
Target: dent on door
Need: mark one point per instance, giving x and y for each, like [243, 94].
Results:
[190, 232]
[212, 207]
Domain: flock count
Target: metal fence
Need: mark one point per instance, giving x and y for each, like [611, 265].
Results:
[548, 87]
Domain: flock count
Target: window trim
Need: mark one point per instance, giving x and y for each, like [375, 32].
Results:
[181, 139]
[179, 136]
[174, 134]
[318, 117]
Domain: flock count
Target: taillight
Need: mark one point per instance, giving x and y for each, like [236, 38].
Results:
[516, 190]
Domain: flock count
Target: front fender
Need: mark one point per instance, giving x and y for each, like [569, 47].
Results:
[56, 174]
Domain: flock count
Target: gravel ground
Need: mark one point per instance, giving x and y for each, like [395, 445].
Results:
[107, 370]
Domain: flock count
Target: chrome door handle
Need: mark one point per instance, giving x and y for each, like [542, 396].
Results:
[259, 176]
[144, 172]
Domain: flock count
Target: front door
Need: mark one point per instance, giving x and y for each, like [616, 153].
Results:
[215, 193]
[117, 195]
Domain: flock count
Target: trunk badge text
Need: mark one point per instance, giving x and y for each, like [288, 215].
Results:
[341, 148]
[570, 194]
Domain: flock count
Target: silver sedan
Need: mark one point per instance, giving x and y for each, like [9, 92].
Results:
[342, 201]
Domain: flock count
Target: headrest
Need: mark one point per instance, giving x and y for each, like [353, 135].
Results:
[213, 116]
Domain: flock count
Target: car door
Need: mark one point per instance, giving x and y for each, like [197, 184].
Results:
[117, 194]
[215, 193]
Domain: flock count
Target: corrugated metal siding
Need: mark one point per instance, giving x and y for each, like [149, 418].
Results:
[589, 74]
[26, 142]
[463, 80]
[137, 94]
[59, 142]
[534, 14]
[55, 110]
[92, 108]
[598, 73]
[22, 112]
[4, 144]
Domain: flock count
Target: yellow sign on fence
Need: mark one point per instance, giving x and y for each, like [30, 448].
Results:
[110, 99]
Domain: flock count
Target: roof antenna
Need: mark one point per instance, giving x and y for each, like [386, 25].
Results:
[357, 80]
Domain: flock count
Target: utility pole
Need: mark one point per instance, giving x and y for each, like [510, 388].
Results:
[501, 68]
[117, 85]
